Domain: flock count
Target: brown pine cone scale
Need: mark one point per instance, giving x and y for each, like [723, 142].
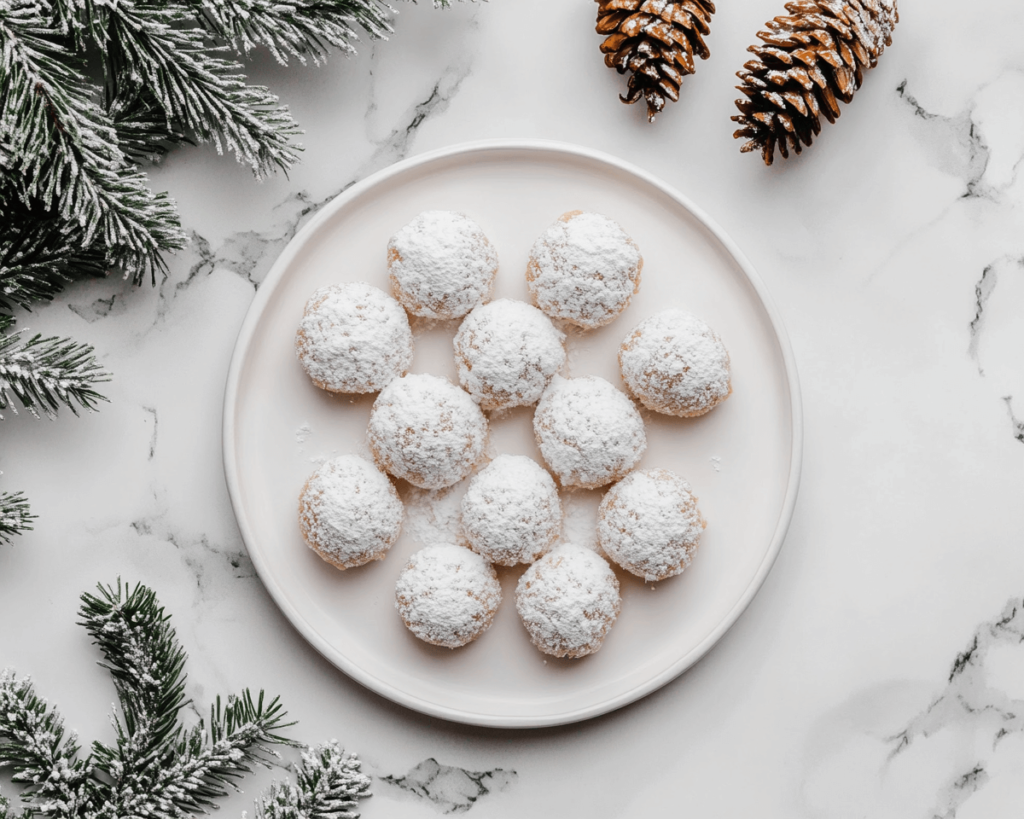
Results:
[656, 41]
[808, 62]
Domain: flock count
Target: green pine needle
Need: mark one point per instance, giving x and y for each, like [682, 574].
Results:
[328, 783]
[15, 515]
[34, 748]
[47, 373]
[144, 132]
[63, 149]
[305, 29]
[158, 768]
[74, 163]
[40, 254]
[160, 48]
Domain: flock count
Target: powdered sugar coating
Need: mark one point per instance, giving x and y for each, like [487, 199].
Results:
[447, 595]
[425, 429]
[568, 601]
[584, 269]
[589, 432]
[349, 512]
[506, 352]
[649, 524]
[510, 512]
[441, 265]
[353, 338]
[675, 363]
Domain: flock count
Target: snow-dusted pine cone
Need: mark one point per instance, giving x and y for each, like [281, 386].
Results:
[809, 61]
[656, 40]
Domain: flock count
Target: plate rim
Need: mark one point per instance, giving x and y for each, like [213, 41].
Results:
[244, 339]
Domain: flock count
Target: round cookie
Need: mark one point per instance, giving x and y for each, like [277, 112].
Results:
[506, 352]
[353, 338]
[426, 430]
[584, 269]
[676, 364]
[568, 601]
[649, 524]
[511, 512]
[441, 265]
[447, 595]
[349, 512]
[589, 432]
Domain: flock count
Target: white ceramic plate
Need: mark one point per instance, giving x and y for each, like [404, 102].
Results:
[743, 459]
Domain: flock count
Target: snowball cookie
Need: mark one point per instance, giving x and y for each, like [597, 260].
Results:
[589, 432]
[584, 269]
[674, 363]
[349, 512]
[441, 265]
[568, 601]
[447, 595]
[506, 352]
[353, 338]
[425, 429]
[649, 524]
[510, 512]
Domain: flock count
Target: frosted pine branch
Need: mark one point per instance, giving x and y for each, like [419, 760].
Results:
[328, 783]
[34, 748]
[143, 130]
[160, 48]
[305, 29]
[141, 651]
[63, 149]
[40, 254]
[44, 374]
[159, 769]
[15, 516]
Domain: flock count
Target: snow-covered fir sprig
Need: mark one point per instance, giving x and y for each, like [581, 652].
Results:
[328, 783]
[162, 50]
[40, 254]
[158, 768]
[44, 374]
[61, 150]
[33, 745]
[15, 517]
[305, 29]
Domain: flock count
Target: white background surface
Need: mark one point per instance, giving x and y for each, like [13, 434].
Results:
[893, 251]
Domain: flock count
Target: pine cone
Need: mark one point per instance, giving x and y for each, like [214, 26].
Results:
[808, 62]
[656, 40]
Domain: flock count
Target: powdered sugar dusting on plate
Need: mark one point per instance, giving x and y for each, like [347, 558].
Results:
[579, 517]
[434, 515]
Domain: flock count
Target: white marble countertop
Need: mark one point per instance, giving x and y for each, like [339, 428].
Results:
[880, 670]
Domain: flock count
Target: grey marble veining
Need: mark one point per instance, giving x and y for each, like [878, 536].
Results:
[447, 788]
[958, 755]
